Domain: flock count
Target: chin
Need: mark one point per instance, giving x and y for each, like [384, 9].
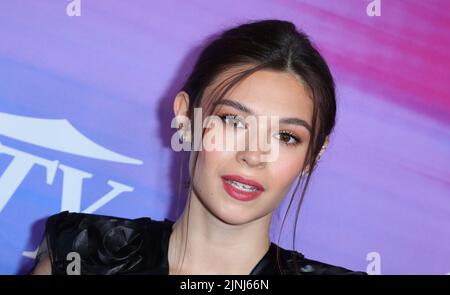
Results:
[234, 220]
[235, 215]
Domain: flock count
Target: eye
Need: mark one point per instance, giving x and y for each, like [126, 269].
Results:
[234, 120]
[287, 137]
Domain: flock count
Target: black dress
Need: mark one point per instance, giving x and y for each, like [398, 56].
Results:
[112, 245]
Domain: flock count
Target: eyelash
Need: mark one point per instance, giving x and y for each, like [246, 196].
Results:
[223, 117]
[292, 135]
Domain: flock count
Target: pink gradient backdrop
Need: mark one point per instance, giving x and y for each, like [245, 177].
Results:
[383, 185]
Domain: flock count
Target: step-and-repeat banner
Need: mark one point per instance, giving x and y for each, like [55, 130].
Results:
[86, 93]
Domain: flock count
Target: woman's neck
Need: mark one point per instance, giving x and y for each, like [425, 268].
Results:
[213, 246]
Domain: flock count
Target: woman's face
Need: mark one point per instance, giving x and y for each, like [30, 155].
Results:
[264, 93]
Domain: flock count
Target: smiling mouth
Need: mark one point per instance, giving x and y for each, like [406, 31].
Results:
[240, 188]
[243, 183]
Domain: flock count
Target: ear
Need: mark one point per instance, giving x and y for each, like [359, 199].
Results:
[324, 147]
[181, 104]
[180, 110]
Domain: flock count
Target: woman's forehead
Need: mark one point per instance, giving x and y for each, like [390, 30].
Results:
[269, 92]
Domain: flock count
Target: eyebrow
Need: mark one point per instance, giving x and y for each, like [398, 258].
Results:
[245, 109]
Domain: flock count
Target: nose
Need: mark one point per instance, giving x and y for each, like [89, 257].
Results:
[251, 156]
[250, 159]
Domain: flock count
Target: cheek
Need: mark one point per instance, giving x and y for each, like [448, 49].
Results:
[285, 170]
[211, 162]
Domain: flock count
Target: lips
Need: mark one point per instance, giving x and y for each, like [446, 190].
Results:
[244, 180]
[240, 188]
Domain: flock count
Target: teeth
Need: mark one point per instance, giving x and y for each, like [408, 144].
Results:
[241, 186]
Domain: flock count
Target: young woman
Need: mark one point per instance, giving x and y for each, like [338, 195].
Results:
[263, 69]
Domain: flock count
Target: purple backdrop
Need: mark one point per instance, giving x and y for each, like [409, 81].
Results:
[86, 104]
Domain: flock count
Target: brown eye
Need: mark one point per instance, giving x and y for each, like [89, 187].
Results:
[287, 138]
